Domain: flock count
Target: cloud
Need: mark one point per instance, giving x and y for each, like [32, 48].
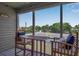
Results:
[75, 7]
[75, 11]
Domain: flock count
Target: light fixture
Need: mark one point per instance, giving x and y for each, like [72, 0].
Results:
[3, 15]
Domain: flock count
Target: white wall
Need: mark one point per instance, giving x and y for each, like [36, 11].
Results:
[7, 28]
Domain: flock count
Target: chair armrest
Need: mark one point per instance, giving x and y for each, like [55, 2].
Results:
[72, 45]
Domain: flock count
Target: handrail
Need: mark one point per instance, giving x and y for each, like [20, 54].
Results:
[42, 41]
[64, 43]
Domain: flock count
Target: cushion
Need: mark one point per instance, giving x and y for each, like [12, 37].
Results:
[70, 39]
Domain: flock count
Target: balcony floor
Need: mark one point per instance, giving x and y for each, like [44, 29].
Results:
[11, 52]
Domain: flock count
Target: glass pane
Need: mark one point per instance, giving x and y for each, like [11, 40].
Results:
[25, 23]
[48, 22]
[71, 18]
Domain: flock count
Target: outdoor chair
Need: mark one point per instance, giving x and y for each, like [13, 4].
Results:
[21, 44]
[68, 48]
[70, 40]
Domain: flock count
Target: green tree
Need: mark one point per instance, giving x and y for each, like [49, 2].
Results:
[67, 27]
[37, 28]
[55, 27]
[45, 28]
[29, 29]
[76, 28]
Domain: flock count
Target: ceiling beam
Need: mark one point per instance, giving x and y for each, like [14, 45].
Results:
[37, 6]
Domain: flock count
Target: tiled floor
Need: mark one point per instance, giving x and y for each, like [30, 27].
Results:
[11, 52]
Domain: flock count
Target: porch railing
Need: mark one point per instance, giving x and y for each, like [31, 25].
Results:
[43, 48]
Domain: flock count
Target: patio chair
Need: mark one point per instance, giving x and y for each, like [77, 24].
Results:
[70, 40]
[21, 43]
[65, 48]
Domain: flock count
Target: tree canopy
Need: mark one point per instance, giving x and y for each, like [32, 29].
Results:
[67, 27]
[76, 28]
[37, 28]
[55, 28]
[45, 28]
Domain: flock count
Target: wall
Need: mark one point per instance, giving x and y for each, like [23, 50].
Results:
[7, 28]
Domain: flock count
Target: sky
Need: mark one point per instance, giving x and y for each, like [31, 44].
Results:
[52, 15]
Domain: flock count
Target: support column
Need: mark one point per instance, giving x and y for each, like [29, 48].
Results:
[61, 20]
[33, 22]
[33, 33]
[17, 24]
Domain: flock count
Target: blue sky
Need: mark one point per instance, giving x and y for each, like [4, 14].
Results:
[52, 15]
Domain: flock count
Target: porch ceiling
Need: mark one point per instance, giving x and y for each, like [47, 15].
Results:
[16, 5]
[22, 7]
